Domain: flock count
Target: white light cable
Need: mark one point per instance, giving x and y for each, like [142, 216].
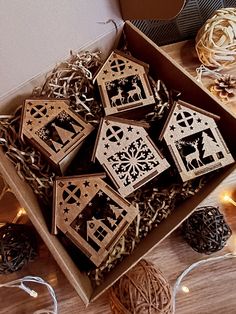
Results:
[194, 265]
[20, 283]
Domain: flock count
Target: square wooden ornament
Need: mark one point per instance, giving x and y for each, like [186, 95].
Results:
[123, 83]
[194, 141]
[127, 153]
[91, 214]
[54, 129]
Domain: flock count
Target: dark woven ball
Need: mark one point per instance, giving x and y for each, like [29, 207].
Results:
[206, 230]
[17, 247]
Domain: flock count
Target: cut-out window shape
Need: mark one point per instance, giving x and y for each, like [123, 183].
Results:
[100, 233]
[184, 119]
[71, 194]
[118, 65]
[38, 111]
[114, 134]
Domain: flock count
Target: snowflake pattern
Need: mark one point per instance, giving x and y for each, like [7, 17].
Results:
[43, 133]
[110, 85]
[63, 116]
[133, 162]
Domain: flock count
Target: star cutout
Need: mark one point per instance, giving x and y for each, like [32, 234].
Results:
[66, 219]
[100, 193]
[90, 204]
[105, 71]
[130, 129]
[108, 198]
[130, 67]
[66, 210]
[172, 127]
[78, 204]
[80, 215]
[107, 146]
[199, 120]
[29, 122]
[52, 107]
[86, 183]
[77, 228]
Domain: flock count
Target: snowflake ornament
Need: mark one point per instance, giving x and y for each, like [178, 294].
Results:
[128, 155]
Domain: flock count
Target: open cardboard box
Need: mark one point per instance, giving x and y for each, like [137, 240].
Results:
[174, 76]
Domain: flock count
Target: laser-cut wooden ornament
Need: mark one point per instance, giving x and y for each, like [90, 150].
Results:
[127, 153]
[54, 129]
[90, 213]
[194, 141]
[123, 83]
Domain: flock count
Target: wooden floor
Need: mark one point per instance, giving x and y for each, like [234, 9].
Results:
[212, 287]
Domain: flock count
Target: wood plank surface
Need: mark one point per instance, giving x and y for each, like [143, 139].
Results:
[212, 287]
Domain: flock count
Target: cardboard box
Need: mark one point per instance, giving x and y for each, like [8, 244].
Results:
[174, 76]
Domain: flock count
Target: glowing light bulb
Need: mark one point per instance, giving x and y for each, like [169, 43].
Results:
[227, 199]
[185, 289]
[21, 212]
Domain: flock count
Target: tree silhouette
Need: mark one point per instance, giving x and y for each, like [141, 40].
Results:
[210, 146]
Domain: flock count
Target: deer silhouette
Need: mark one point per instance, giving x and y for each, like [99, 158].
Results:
[193, 156]
[117, 97]
[135, 91]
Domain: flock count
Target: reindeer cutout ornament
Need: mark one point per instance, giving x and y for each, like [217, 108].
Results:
[128, 155]
[194, 141]
[54, 129]
[91, 214]
[123, 83]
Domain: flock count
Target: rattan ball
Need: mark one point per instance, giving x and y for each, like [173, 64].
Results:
[17, 247]
[143, 290]
[216, 40]
[206, 230]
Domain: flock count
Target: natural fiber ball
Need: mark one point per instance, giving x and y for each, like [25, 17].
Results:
[206, 230]
[216, 40]
[143, 290]
[17, 247]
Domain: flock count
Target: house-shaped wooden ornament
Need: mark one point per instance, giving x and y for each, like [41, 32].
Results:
[127, 153]
[54, 129]
[91, 214]
[123, 83]
[194, 141]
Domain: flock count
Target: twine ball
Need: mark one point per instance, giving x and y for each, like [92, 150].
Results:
[143, 290]
[216, 40]
[206, 230]
[17, 247]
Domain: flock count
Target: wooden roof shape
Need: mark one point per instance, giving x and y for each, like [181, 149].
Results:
[54, 128]
[91, 214]
[127, 154]
[194, 141]
[123, 83]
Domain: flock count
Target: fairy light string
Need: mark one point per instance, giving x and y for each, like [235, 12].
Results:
[21, 284]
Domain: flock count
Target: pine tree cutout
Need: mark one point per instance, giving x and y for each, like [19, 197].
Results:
[77, 128]
[112, 221]
[210, 147]
[63, 134]
[56, 145]
[116, 210]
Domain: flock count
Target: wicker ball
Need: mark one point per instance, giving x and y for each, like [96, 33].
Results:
[17, 247]
[216, 40]
[206, 230]
[143, 290]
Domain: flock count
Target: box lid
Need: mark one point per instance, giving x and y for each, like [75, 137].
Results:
[150, 9]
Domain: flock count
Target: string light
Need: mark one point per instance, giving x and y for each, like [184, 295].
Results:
[20, 283]
[227, 199]
[20, 213]
[185, 289]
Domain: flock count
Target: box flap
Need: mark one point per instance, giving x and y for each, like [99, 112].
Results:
[151, 9]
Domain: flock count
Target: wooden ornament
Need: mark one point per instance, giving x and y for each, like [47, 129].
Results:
[194, 141]
[54, 128]
[128, 155]
[90, 213]
[123, 83]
